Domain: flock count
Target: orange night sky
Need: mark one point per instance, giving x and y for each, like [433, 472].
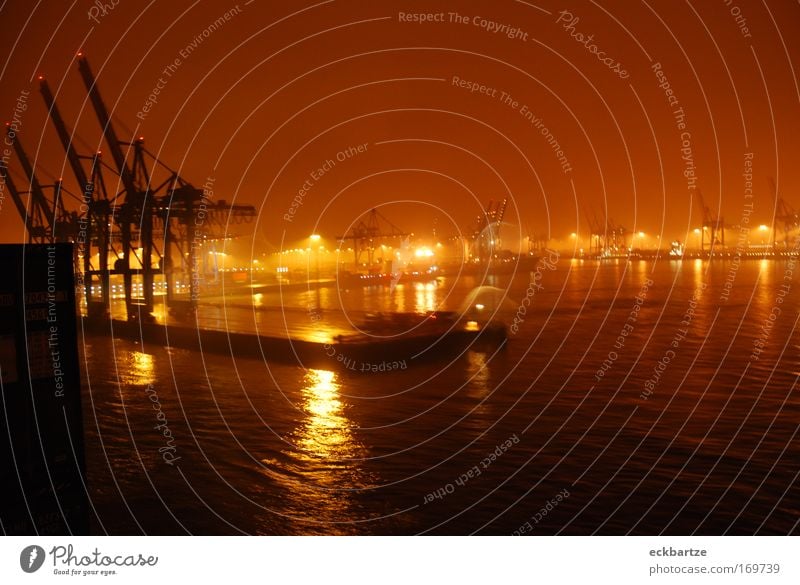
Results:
[479, 101]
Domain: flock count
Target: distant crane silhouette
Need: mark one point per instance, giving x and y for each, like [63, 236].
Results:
[367, 230]
[785, 216]
[486, 236]
[713, 226]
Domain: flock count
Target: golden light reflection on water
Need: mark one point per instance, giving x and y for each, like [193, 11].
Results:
[765, 274]
[424, 297]
[698, 273]
[478, 375]
[140, 368]
[160, 313]
[400, 298]
[325, 461]
[320, 333]
[765, 295]
[326, 432]
[641, 271]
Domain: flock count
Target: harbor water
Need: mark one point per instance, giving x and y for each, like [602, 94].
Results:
[632, 397]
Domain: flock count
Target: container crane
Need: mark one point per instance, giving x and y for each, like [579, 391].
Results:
[174, 203]
[619, 235]
[46, 221]
[95, 227]
[136, 210]
[364, 233]
[597, 234]
[37, 233]
[487, 229]
[714, 226]
[39, 212]
[785, 216]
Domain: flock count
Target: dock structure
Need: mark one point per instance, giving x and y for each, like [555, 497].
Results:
[355, 352]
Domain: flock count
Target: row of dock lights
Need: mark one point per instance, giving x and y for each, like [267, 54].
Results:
[423, 251]
[135, 287]
[762, 229]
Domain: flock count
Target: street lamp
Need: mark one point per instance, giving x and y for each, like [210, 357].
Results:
[763, 229]
[315, 238]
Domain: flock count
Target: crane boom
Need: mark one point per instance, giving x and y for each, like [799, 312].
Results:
[136, 213]
[63, 135]
[109, 133]
[501, 211]
[34, 231]
[40, 208]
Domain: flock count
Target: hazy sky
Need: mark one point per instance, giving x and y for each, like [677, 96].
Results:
[344, 106]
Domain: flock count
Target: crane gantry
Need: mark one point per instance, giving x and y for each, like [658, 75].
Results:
[148, 228]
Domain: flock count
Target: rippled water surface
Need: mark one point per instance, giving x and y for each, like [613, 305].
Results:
[678, 417]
